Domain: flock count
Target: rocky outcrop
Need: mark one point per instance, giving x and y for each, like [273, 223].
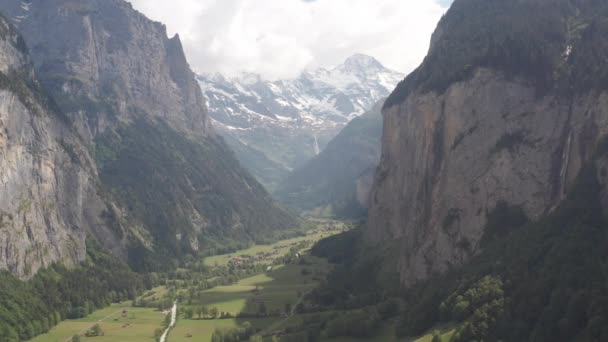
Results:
[128, 91]
[48, 196]
[460, 143]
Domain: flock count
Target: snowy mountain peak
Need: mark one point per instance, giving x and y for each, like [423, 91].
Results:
[310, 110]
[358, 62]
[213, 77]
[319, 98]
[249, 78]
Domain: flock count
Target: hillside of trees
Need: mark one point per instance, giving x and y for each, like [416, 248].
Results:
[30, 308]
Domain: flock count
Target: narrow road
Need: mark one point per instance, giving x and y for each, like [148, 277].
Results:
[163, 338]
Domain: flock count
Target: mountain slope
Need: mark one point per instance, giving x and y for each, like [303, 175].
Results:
[49, 201]
[291, 121]
[338, 180]
[532, 281]
[490, 200]
[503, 113]
[128, 90]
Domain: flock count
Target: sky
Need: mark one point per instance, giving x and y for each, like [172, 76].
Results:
[278, 39]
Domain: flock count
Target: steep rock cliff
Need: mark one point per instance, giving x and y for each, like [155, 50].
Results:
[128, 91]
[49, 200]
[106, 63]
[503, 113]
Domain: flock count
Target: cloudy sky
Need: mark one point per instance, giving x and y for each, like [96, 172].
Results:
[280, 38]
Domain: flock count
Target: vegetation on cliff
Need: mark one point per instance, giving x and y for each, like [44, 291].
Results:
[536, 281]
[562, 48]
[188, 195]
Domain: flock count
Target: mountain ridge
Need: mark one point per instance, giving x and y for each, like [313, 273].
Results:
[290, 121]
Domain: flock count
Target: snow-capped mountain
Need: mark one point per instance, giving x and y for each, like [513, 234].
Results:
[290, 121]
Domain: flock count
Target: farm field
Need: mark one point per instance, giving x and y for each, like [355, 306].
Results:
[201, 330]
[276, 291]
[271, 295]
[267, 253]
[137, 325]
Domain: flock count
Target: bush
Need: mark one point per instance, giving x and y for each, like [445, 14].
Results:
[95, 331]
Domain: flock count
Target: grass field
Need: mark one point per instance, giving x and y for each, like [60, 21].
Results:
[275, 289]
[137, 326]
[154, 294]
[283, 285]
[201, 330]
[278, 249]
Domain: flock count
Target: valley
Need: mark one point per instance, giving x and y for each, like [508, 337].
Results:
[260, 287]
[118, 322]
[262, 291]
[260, 177]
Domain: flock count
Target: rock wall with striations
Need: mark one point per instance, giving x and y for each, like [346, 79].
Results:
[505, 117]
[48, 195]
[128, 90]
[106, 63]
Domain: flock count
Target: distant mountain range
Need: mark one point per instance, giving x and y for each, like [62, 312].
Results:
[337, 182]
[277, 126]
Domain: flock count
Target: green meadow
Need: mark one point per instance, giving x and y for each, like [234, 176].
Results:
[277, 291]
[267, 253]
[137, 325]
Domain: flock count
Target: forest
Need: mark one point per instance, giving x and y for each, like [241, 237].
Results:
[30, 308]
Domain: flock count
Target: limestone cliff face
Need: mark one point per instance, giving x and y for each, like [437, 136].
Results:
[107, 63]
[128, 91]
[451, 154]
[48, 199]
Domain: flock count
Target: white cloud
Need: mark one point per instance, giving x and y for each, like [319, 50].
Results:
[280, 38]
